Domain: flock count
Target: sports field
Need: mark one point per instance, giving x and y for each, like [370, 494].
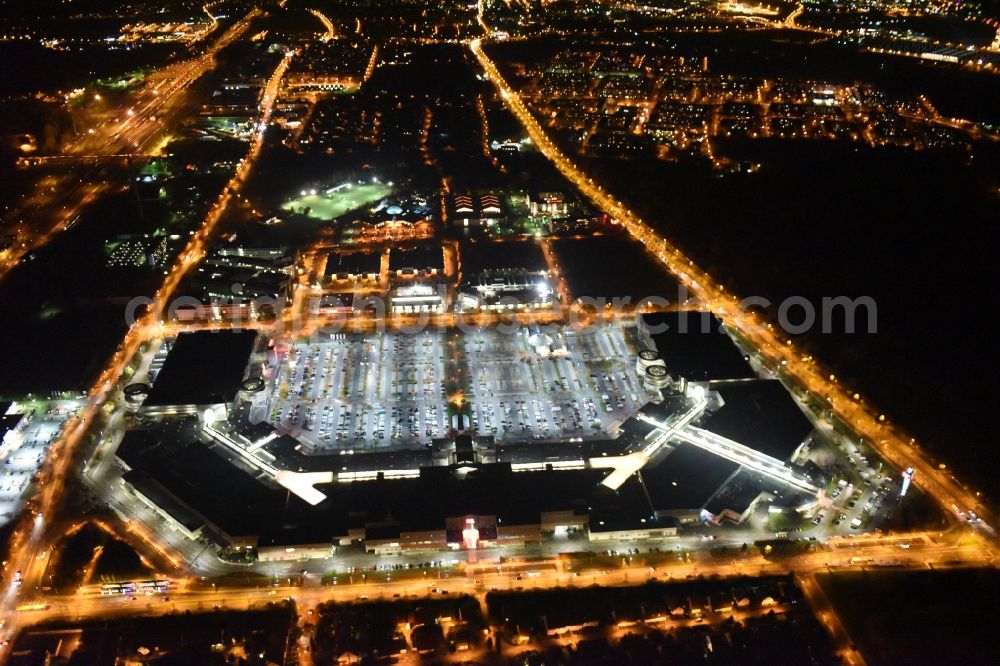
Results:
[331, 203]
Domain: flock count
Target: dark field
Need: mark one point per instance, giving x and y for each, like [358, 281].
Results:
[919, 617]
[915, 231]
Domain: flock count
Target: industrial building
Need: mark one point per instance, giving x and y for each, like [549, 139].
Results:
[548, 204]
[355, 267]
[203, 492]
[694, 345]
[476, 210]
[506, 292]
[416, 262]
[511, 275]
[203, 370]
[417, 297]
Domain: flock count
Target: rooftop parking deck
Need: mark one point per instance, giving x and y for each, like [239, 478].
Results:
[392, 392]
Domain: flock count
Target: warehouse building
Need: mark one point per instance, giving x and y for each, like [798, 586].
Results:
[203, 370]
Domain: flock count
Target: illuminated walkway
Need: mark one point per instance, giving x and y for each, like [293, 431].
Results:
[745, 456]
[678, 428]
[299, 483]
[627, 465]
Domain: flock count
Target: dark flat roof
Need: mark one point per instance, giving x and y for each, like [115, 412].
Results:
[237, 503]
[762, 415]
[165, 500]
[517, 255]
[417, 258]
[357, 263]
[695, 346]
[607, 521]
[286, 450]
[203, 368]
[222, 493]
[8, 421]
[423, 503]
[736, 496]
[636, 430]
[533, 451]
[686, 478]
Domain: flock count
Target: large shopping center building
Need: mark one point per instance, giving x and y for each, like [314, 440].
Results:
[703, 448]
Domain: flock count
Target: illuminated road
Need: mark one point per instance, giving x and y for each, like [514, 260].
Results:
[892, 444]
[479, 578]
[132, 133]
[214, 22]
[827, 615]
[62, 460]
[138, 125]
[61, 214]
[35, 537]
[331, 32]
[789, 21]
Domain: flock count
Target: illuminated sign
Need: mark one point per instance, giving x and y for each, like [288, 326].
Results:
[470, 535]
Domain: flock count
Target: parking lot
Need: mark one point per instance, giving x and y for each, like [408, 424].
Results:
[380, 392]
[584, 389]
[857, 509]
[365, 391]
[862, 498]
[21, 455]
